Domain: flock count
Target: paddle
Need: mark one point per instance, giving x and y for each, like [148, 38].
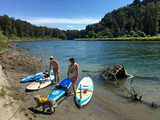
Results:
[42, 73]
[36, 75]
[41, 81]
[80, 94]
[90, 71]
[62, 86]
[58, 85]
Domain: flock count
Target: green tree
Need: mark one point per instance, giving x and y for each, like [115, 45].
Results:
[62, 36]
[117, 32]
[136, 2]
[141, 34]
[91, 34]
[6, 25]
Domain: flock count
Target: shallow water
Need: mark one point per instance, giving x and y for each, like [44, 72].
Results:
[141, 59]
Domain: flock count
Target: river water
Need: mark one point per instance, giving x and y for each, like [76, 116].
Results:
[140, 59]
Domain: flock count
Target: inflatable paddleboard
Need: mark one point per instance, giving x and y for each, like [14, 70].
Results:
[34, 77]
[41, 83]
[59, 90]
[84, 91]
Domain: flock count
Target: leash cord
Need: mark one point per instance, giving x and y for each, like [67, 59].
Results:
[20, 107]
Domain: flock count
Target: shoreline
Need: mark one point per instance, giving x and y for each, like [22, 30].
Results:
[18, 39]
[11, 71]
[35, 39]
[120, 39]
[8, 105]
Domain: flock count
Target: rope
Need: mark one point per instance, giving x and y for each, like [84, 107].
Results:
[20, 107]
[48, 52]
[15, 47]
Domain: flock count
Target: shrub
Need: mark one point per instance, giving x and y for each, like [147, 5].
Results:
[141, 34]
[3, 41]
[3, 91]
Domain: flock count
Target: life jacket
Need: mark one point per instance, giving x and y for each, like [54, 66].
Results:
[42, 100]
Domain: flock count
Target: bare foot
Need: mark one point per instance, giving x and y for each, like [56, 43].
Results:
[54, 83]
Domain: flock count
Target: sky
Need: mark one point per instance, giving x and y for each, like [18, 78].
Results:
[62, 14]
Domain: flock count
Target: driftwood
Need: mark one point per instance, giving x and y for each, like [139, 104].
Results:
[113, 74]
[154, 105]
[134, 95]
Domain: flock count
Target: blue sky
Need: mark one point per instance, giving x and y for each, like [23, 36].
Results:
[62, 14]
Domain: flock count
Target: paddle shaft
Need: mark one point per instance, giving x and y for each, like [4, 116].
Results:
[42, 81]
[80, 92]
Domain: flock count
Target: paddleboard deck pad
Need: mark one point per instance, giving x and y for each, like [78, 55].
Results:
[41, 83]
[59, 90]
[84, 91]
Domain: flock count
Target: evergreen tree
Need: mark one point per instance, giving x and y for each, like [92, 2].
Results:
[136, 2]
[136, 19]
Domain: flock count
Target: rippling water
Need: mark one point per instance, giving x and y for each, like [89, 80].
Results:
[141, 59]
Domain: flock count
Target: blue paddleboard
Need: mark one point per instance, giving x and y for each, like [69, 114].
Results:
[58, 91]
[34, 77]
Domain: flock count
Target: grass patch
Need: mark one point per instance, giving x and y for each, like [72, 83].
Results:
[3, 91]
[15, 38]
[121, 39]
[3, 42]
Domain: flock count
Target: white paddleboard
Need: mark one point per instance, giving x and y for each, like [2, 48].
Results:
[41, 83]
[84, 91]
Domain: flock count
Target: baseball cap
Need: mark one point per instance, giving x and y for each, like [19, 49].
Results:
[51, 57]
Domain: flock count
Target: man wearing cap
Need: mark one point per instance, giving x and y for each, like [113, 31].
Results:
[56, 69]
[73, 73]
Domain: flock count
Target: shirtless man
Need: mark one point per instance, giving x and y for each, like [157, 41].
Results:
[56, 69]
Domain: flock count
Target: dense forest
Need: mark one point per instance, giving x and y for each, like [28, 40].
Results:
[139, 19]
[12, 28]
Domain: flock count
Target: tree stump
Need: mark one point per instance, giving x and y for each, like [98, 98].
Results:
[113, 74]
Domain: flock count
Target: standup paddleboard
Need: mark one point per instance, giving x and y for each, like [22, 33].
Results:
[34, 77]
[41, 83]
[84, 91]
[59, 90]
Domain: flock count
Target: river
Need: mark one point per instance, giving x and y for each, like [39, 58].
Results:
[140, 59]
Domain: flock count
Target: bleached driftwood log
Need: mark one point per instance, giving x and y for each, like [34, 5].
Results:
[113, 74]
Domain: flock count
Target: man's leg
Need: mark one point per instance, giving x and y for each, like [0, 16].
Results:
[55, 75]
[58, 76]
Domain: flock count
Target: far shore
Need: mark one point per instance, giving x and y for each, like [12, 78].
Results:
[90, 39]
[33, 39]
[120, 39]
[18, 39]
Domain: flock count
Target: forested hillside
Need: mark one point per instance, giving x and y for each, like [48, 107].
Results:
[139, 19]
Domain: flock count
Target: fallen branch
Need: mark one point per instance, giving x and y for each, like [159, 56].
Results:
[134, 95]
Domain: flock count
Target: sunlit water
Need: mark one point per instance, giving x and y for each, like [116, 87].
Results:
[140, 59]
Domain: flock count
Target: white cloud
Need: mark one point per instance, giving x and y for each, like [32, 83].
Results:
[69, 26]
[39, 21]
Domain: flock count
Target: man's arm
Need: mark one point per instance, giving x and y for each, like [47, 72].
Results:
[49, 68]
